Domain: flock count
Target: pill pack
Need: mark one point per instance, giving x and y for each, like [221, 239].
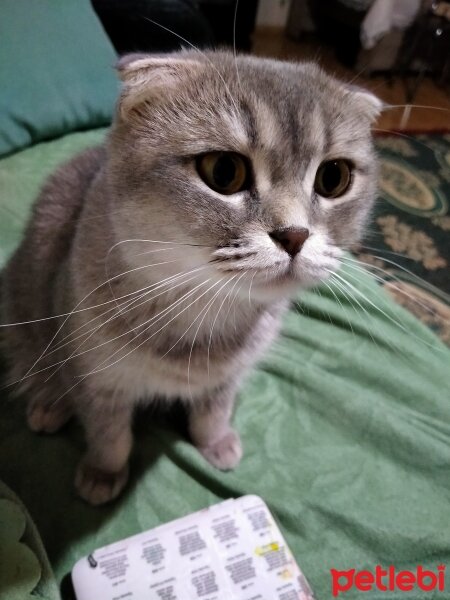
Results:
[233, 550]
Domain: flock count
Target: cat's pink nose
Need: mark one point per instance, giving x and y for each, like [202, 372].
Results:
[291, 238]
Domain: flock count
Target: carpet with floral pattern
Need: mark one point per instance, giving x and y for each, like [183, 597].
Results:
[408, 242]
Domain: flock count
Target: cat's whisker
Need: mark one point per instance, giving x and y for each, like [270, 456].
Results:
[107, 274]
[250, 289]
[71, 337]
[351, 297]
[415, 277]
[358, 75]
[400, 254]
[395, 349]
[420, 106]
[146, 241]
[102, 368]
[82, 378]
[384, 313]
[76, 309]
[391, 284]
[96, 329]
[28, 375]
[195, 320]
[230, 95]
[317, 290]
[87, 336]
[40, 357]
[80, 310]
[161, 314]
[57, 364]
[215, 320]
[67, 392]
[407, 108]
[148, 289]
[234, 44]
[235, 304]
[141, 293]
[204, 312]
[358, 266]
[154, 251]
[340, 284]
[233, 301]
[60, 328]
[155, 319]
[330, 288]
[18, 323]
[405, 135]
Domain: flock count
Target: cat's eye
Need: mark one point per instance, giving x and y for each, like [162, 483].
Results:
[333, 178]
[224, 172]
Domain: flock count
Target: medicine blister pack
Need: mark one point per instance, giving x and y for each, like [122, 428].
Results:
[230, 551]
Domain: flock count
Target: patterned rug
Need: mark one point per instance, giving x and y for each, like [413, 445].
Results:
[408, 244]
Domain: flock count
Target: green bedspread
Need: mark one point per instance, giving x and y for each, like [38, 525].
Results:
[345, 426]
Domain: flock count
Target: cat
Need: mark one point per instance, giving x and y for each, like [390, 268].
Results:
[159, 265]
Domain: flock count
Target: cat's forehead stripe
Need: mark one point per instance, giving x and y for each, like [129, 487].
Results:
[236, 129]
[320, 130]
[266, 142]
[268, 125]
[249, 122]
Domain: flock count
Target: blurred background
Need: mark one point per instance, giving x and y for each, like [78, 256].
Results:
[400, 49]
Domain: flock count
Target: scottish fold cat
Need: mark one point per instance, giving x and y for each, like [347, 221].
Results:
[158, 266]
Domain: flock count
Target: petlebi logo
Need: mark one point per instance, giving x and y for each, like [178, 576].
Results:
[387, 579]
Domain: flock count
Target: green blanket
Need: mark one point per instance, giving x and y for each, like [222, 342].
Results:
[345, 426]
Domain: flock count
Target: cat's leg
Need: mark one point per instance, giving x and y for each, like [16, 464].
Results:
[48, 409]
[211, 431]
[103, 471]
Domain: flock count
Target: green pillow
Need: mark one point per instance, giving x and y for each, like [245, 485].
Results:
[56, 71]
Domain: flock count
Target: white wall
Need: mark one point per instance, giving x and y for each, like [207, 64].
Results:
[272, 13]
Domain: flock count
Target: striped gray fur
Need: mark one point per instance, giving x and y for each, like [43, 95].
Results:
[286, 119]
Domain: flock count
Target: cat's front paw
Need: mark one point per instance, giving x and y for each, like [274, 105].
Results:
[224, 454]
[47, 416]
[97, 486]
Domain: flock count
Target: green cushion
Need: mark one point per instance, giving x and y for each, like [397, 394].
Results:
[56, 71]
[24, 566]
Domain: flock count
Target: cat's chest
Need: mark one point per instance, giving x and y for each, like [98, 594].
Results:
[197, 338]
[146, 374]
[188, 369]
[149, 354]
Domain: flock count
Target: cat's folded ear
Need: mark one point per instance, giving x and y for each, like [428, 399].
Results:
[148, 76]
[368, 105]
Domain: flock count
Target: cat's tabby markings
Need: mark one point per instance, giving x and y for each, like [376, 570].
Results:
[173, 251]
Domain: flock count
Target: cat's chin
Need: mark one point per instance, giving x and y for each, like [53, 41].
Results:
[282, 287]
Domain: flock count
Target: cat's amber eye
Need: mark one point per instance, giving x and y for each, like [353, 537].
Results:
[224, 172]
[333, 178]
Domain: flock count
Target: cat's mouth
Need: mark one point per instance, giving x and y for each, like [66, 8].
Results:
[270, 278]
[301, 273]
[289, 275]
